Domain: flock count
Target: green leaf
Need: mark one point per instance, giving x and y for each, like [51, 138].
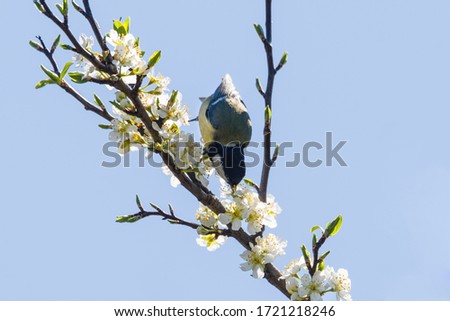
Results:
[65, 69]
[283, 60]
[258, 86]
[267, 114]
[305, 251]
[65, 8]
[66, 47]
[276, 152]
[201, 230]
[172, 212]
[314, 240]
[77, 77]
[119, 27]
[115, 104]
[55, 44]
[154, 59]
[321, 266]
[60, 8]
[138, 203]
[306, 255]
[43, 83]
[53, 76]
[128, 218]
[260, 31]
[323, 256]
[316, 227]
[136, 42]
[77, 6]
[105, 126]
[99, 102]
[156, 207]
[248, 181]
[126, 25]
[39, 6]
[35, 45]
[173, 98]
[333, 227]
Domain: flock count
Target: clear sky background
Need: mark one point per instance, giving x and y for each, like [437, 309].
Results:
[375, 73]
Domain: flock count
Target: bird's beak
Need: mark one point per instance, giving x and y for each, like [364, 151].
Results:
[202, 99]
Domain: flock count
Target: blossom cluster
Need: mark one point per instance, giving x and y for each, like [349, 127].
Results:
[164, 107]
[126, 54]
[242, 206]
[265, 251]
[168, 115]
[302, 287]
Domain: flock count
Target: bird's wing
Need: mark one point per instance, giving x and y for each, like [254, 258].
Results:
[213, 113]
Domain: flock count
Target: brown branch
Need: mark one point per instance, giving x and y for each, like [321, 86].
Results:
[169, 217]
[49, 55]
[69, 89]
[86, 104]
[108, 68]
[316, 249]
[94, 26]
[273, 275]
[187, 180]
[267, 95]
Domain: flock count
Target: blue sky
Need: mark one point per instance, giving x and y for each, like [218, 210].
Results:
[375, 73]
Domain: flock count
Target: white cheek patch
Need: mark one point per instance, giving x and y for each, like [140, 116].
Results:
[218, 100]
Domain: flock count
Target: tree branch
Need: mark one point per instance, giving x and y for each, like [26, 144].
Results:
[69, 89]
[267, 95]
[165, 216]
[49, 55]
[94, 26]
[187, 180]
[110, 68]
[316, 249]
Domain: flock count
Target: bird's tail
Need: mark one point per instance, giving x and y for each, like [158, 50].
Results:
[228, 161]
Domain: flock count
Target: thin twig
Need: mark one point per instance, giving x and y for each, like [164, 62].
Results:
[94, 26]
[316, 249]
[49, 55]
[165, 216]
[110, 68]
[69, 89]
[267, 95]
[86, 104]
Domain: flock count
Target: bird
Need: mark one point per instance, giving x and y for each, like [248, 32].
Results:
[226, 129]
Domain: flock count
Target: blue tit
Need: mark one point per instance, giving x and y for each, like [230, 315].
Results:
[226, 130]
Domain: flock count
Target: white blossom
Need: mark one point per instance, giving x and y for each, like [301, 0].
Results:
[247, 207]
[293, 268]
[206, 217]
[266, 250]
[339, 282]
[211, 241]
[313, 287]
[127, 54]
[292, 285]
[86, 42]
[235, 213]
[126, 134]
[174, 181]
